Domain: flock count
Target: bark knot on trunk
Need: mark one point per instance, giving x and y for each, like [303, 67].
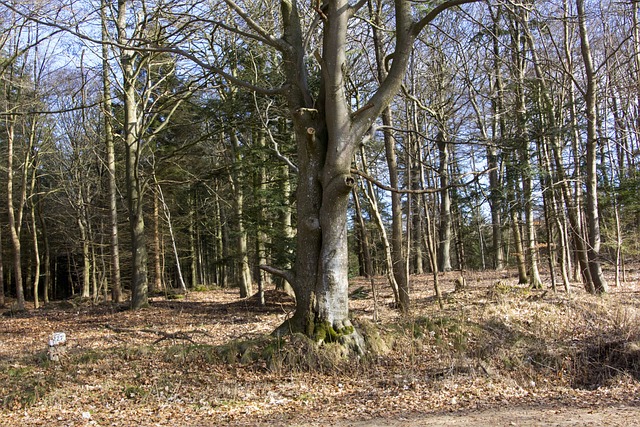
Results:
[341, 184]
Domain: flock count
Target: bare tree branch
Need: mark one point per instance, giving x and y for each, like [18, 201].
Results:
[379, 184]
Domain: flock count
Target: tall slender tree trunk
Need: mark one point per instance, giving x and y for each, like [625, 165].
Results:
[167, 216]
[519, 44]
[429, 236]
[397, 239]
[514, 207]
[133, 149]
[573, 196]
[242, 255]
[366, 253]
[116, 286]
[599, 284]
[157, 251]
[15, 220]
[33, 205]
[86, 260]
[388, 254]
[36, 250]
[47, 257]
[444, 251]
[260, 188]
[2, 299]
[193, 255]
[287, 231]
[498, 131]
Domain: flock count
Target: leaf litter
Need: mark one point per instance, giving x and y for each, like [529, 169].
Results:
[207, 359]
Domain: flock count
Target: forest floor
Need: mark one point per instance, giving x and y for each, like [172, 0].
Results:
[496, 354]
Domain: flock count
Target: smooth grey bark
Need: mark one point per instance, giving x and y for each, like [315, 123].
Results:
[328, 134]
[33, 202]
[86, 260]
[133, 149]
[398, 255]
[444, 250]
[573, 197]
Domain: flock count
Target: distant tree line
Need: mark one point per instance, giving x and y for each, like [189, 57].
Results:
[153, 146]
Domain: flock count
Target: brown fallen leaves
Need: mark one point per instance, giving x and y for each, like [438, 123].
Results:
[494, 345]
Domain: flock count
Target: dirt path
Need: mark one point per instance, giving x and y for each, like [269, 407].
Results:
[622, 416]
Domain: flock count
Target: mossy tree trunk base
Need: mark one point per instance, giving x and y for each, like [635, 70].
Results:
[343, 333]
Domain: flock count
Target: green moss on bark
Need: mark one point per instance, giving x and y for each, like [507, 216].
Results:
[325, 332]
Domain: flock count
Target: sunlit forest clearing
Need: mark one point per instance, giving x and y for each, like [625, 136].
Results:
[323, 211]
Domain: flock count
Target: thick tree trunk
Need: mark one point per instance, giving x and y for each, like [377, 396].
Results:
[139, 279]
[328, 134]
[333, 280]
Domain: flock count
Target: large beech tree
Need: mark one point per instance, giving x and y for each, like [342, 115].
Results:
[328, 132]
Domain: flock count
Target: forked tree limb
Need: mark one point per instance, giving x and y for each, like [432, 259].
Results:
[287, 275]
